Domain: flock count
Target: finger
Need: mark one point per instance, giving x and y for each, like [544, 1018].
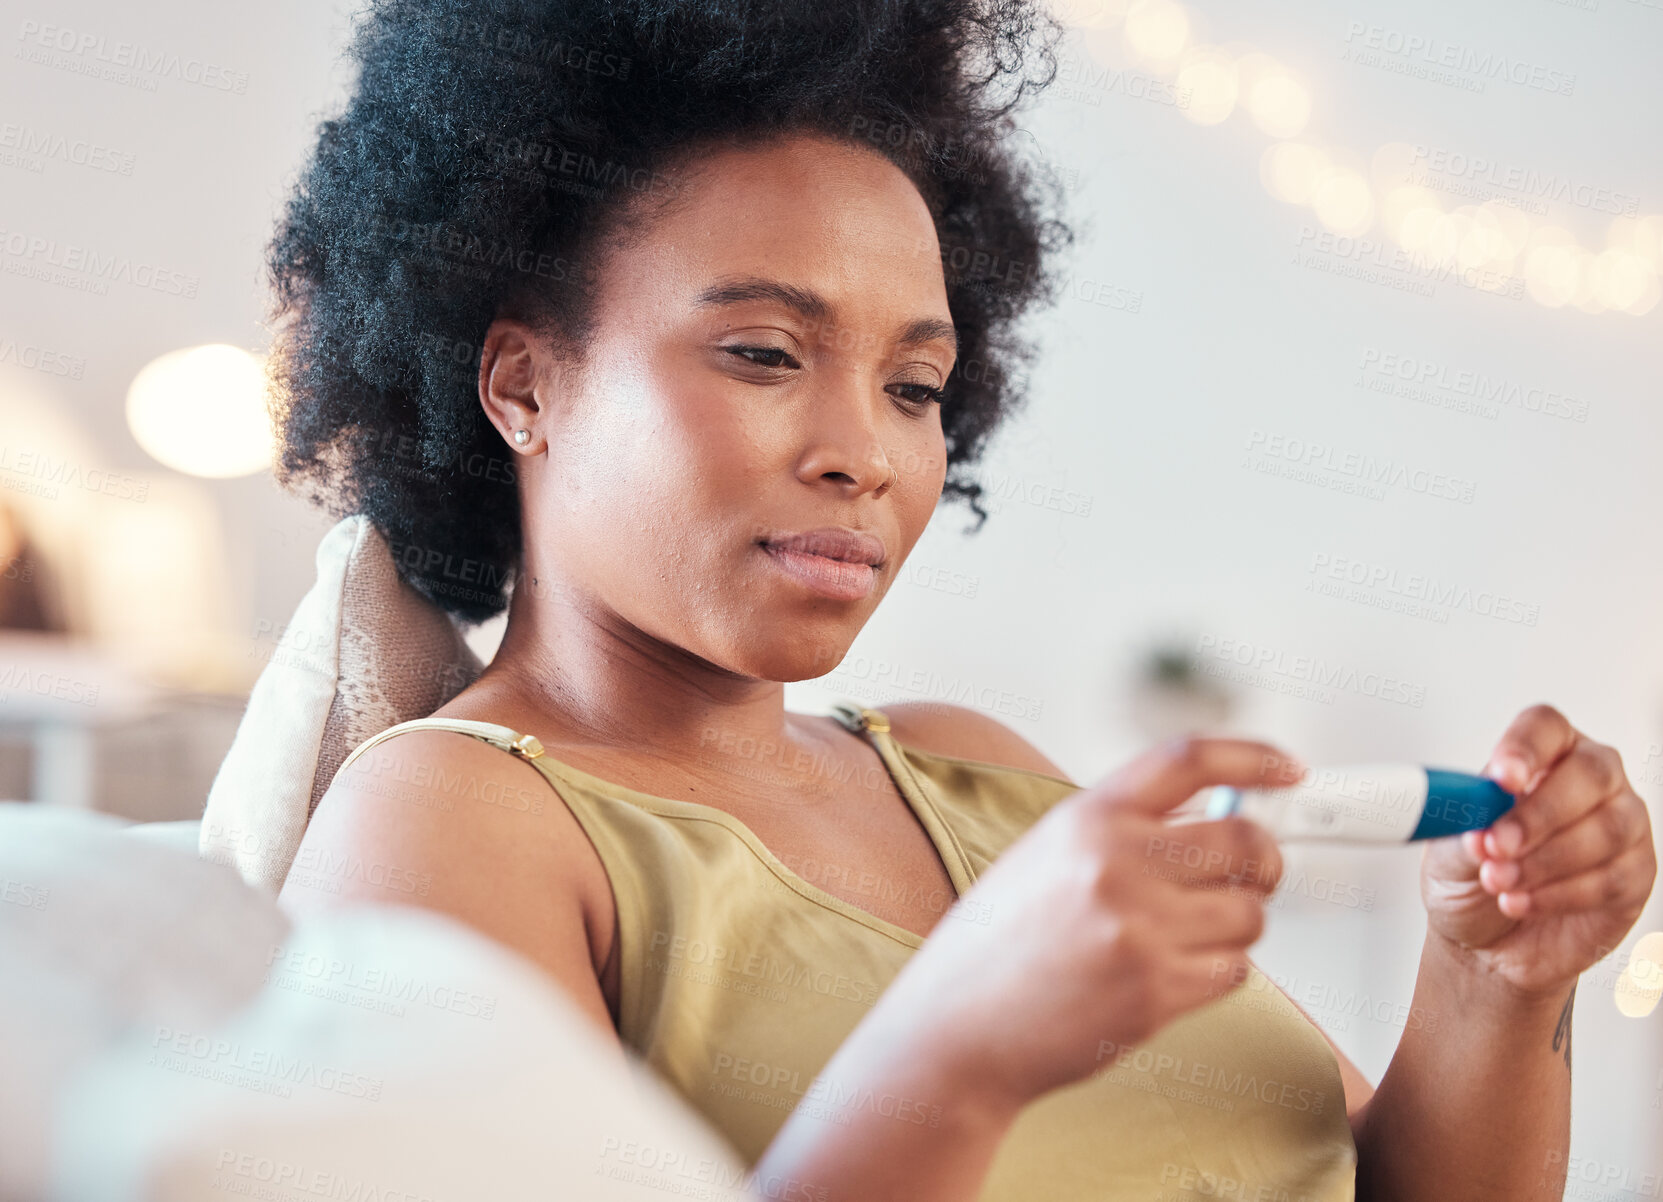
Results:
[1219, 916]
[1207, 974]
[1220, 850]
[1597, 837]
[1586, 778]
[1472, 842]
[1535, 741]
[1170, 774]
[1620, 884]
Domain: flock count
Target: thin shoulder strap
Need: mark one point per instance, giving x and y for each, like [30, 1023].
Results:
[525, 746]
[857, 717]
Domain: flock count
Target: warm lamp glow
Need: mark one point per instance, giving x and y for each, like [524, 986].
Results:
[1209, 77]
[1090, 14]
[202, 411]
[1289, 170]
[1641, 983]
[1280, 104]
[1342, 201]
[1157, 29]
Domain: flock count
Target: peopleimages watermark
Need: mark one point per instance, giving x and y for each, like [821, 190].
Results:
[273, 1177]
[1420, 56]
[1177, 852]
[1583, 1174]
[43, 359]
[1302, 675]
[31, 149]
[1465, 390]
[40, 474]
[551, 165]
[369, 986]
[266, 1070]
[323, 870]
[1082, 79]
[1319, 463]
[26, 894]
[131, 64]
[1334, 1004]
[1412, 593]
[676, 1172]
[74, 265]
[527, 50]
[1476, 177]
[993, 273]
[1373, 262]
[746, 970]
[781, 1087]
[16, 678]
[1191, 1182]
[1218, 1087]
[861, 676]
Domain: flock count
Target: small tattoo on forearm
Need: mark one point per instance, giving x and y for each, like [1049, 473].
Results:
[1562, 1033]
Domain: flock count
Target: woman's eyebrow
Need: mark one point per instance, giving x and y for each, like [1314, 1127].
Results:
[814, 307]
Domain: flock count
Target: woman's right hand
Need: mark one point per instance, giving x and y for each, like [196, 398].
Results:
[1097, 927]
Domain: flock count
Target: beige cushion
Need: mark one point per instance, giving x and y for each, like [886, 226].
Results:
[364, 651]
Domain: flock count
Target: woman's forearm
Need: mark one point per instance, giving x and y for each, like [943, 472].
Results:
[889, 1119]
[1477, 1105]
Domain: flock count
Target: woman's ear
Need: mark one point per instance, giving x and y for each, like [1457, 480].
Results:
[514, 363]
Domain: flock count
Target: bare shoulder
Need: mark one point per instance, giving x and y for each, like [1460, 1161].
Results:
[441, 820]
[966, 734]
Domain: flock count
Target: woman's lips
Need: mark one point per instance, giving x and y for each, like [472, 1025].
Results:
[835, 578]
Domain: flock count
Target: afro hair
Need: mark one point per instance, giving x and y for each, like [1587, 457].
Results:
[488, 145]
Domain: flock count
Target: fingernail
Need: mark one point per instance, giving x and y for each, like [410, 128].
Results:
[1514, 905]
[1502, 874]
[1512, 772]
[1506, 838]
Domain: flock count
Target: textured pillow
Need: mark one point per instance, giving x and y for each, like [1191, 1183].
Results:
[364, 651]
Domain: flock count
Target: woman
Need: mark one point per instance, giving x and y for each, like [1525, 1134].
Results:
[684, 318]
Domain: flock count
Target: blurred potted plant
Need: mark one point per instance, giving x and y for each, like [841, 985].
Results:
[1171, 696]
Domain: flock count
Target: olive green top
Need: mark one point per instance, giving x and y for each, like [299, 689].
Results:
[739, 978]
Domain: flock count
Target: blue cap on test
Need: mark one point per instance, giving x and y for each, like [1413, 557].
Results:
[1459, 801]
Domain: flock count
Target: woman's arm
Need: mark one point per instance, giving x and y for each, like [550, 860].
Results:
[874, 1158]
[1083, 948]
[1476, 1105]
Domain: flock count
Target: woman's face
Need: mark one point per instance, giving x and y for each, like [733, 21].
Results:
[761, 365]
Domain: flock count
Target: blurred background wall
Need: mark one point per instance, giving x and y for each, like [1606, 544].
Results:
[1345, 434]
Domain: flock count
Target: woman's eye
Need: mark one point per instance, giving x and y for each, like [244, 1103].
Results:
[780, 358]
[923, 394]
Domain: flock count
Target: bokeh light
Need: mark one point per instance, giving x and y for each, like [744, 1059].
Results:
[1209, 77]
[1090, 14]
[1157, 30]
[1289, 170]
[1280, 105]
[1641, 983]
[202, 411]
[1341, 199]
[1552, 266]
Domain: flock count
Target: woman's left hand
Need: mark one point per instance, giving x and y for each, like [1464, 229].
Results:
[1556, 883]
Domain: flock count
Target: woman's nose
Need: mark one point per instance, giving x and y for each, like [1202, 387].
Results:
[845, 446]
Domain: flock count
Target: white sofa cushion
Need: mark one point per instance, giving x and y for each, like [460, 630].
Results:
[364, 651]
[171, 1035]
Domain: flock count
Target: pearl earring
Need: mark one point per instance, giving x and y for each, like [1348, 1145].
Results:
[522, 436]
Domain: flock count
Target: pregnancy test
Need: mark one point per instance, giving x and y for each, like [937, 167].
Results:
[1369, 803]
